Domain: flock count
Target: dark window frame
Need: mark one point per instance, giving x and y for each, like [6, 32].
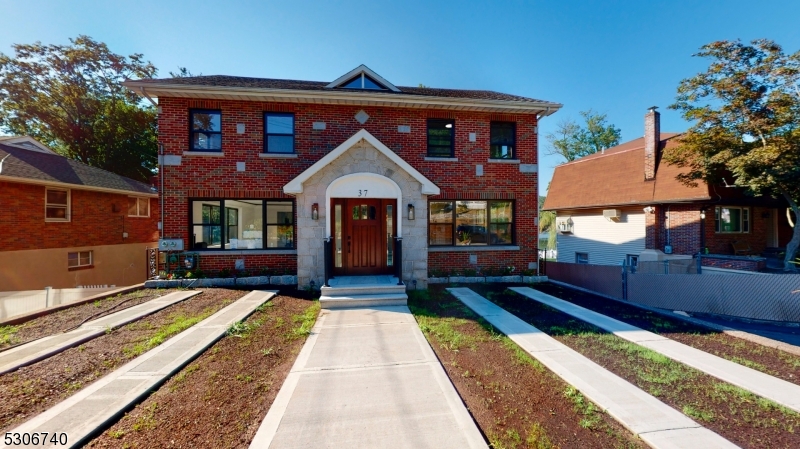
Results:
[192, 131]
[267, 134]
[578, 258]
[488, 222]
[513, 142]
[452, 129]
[745, 220]
[224, 227]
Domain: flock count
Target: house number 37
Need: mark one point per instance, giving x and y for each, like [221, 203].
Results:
[362, 193]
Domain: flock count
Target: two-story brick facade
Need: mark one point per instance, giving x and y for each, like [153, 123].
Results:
[264, 170]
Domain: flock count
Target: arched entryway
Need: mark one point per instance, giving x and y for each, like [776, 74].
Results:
[363, 223]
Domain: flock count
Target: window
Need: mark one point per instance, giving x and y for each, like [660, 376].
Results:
[631, 260]
[240, 224]
[56, 205]
[79, 259]
[279, 133]
[582, 258]
[461, 223]
[363, 81]
[206, 130]
[503, 140]
[731, 220]
[138, 207]
[440, 138]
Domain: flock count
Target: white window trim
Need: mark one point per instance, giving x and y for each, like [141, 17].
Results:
[91, 259]
[69, 206]
[137, 207]
[718, 222]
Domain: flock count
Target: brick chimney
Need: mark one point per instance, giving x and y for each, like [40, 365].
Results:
[652, 139]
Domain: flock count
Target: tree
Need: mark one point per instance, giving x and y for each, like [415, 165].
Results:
[746, 114]
[71, 98]
[183, 72]
[573, 141]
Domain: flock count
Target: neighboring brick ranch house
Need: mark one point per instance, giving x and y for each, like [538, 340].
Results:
[614, 205]
[65, 224]
[260, 172]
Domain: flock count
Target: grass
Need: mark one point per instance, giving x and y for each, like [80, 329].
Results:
[176, 324]
[584, 407]
[8, 335]
[148, 420]
[303, 323]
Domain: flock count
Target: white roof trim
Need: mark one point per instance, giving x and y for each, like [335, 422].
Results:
[67, 185]
[359, 70]
[20, 141]
[295, 186]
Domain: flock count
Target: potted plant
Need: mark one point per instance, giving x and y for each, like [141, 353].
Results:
[464, 238]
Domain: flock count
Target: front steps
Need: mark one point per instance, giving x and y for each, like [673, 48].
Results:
[363, 291]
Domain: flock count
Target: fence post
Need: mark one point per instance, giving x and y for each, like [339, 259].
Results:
[624, 281]
[700, 263]
[47, 296]
[666, 267]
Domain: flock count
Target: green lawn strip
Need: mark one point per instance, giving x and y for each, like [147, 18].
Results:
[8, 335]
[697, 394]
[177, 323]
[445, 331]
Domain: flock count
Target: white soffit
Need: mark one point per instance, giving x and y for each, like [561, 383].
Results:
[359, 70]
[295, 186]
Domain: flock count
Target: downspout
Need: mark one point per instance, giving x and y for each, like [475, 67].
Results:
[669, 242]
[9, 154]
[161, 187]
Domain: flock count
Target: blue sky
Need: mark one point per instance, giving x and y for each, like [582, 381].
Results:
[617, 57]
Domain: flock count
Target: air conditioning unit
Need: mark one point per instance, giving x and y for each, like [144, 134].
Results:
[612, 214]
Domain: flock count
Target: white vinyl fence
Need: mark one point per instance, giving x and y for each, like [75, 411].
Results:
[28, 301]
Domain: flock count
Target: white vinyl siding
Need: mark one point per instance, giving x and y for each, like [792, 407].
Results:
[606, 242]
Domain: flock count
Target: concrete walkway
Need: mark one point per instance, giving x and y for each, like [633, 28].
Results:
[101, 403]
[764, 385]
[367, 377]
[655, 422]
[43, 348]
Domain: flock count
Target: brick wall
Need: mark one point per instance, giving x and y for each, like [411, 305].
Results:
[265, 177]
[93, 220]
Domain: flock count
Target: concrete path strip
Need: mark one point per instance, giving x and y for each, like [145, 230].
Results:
[100, 404]
[366, 377]
[37, 350]
[777, 390]
[655, 422]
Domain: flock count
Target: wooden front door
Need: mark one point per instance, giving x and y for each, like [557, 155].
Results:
[363, 231]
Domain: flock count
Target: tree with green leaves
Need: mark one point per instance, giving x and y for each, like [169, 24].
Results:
[71, 98]
[572, 141]
[745, 110]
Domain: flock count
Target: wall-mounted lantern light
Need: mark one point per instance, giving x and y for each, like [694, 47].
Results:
[315, 211]
[411, 212]
[703, 213]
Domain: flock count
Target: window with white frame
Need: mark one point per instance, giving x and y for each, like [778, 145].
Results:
[581, 257]
[79, 259]
[56, 204]
[138, 207]
[731, 220]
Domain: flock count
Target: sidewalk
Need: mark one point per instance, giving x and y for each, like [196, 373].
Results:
[367, 377]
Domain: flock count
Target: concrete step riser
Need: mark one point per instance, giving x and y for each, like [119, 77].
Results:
[348, 291]
[349, 303]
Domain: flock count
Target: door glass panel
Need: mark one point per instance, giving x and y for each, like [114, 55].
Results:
[337, 229]
[389, 242]
[363, 211]
[356, 214]
[372, 213]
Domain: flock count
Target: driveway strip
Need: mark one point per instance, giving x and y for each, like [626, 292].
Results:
[366, 377]
[761, 384]
[93, 408]
[656, 423]
[40, 349]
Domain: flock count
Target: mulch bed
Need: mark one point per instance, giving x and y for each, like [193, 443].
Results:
[741, 417]
[220, 399]
[515, 401]
[772, 361]
[71, 317]
[35, 388]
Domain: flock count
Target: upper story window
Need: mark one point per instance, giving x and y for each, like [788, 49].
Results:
[206, 130]
[441, 137]
[138, 207]
[363, 81]
[278, 133]
[731, 219]
[56, 205]
[503, 140]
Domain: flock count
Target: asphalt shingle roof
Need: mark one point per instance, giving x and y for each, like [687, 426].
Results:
[34, 165]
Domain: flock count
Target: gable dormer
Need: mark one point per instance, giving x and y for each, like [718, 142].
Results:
[362, 78]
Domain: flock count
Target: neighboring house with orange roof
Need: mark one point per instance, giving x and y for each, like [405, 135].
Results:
[614, 205]
[65, 224]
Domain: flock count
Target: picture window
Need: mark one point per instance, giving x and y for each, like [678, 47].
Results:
[469, 222]
[731, 220]
[241, 224]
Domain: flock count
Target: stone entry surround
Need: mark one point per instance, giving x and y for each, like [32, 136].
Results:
[361, 157]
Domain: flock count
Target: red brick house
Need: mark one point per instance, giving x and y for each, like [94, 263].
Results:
[612, 206]
[261, 172]
[65, 224]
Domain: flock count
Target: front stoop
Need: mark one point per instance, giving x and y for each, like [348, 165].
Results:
[343, 295]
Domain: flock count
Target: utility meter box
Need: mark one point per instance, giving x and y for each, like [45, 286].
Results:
[170, 244]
